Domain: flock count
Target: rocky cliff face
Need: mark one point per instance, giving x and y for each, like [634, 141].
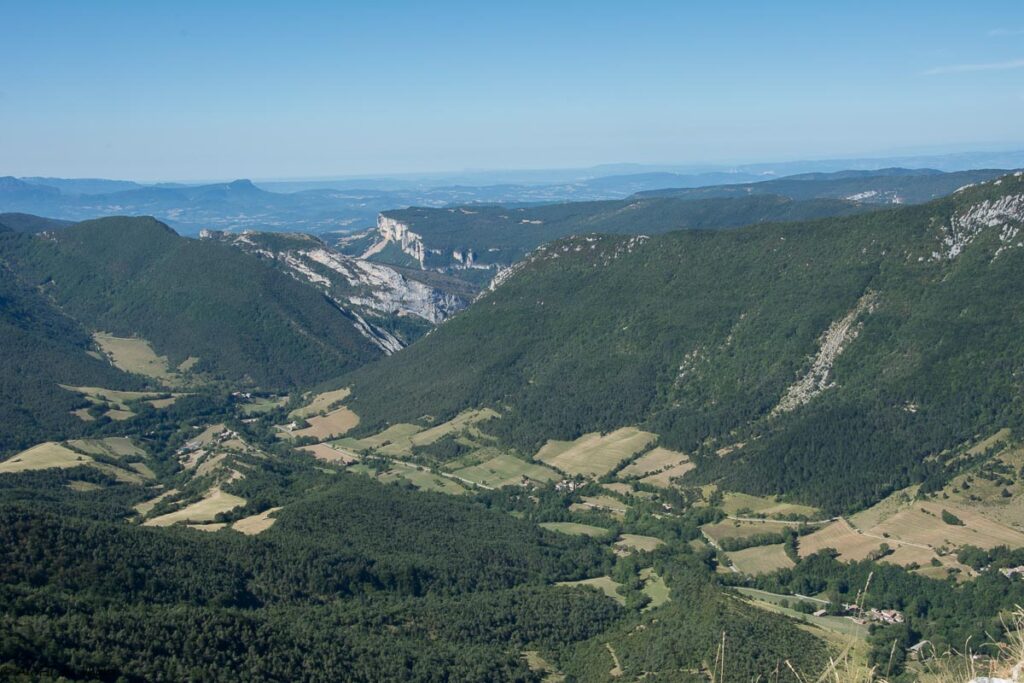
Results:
[396, 232]
[383, 304]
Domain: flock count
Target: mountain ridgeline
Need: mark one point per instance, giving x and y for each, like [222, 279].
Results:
[462, 239]
[833, 360]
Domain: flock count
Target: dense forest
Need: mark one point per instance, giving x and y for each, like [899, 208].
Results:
[244, 320]
[698, 336]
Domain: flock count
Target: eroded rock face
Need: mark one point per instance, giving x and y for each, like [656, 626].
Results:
[831, 345]
[1005, 215]
[393, 231]
[368, 294]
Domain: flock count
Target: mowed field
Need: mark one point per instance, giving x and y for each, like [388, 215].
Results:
[113, 446]
[575, 529]
[606, 503]
[505, 470]
[399, 439]
[739, 504]
[658, 467]
[255, 524]
[423, 479]
[761, 559]
[594, 455]
[331, 454]
[914, 529]
[320, 403]
[729, 528]
[322, 427]
[137, 356]
[50, 455]
[44, 456]
[655, 588]
[205, 510]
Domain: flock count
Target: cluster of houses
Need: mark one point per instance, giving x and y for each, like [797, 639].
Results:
[859, 616]
[568, 485]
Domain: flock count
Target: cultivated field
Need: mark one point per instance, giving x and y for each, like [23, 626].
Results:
[255, 524]
[636, 542]
[761, 559]
[606, 503]
[729, 528]
[620, 488]
[664, 478]
[658, 467]
[205, 510]
[922, 524]
[850, 544]
[505, 470]
[457, 424]
[113, 446]
[332, 454]
[594, 455]
[574, 529]
[773, 602]
[320, 403]
[323, 427]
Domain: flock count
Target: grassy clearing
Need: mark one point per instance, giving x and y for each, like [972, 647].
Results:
[655, 588]
[424, 479]
[738, 504]
[112, 399]
[255, 524]
[323, 427]
[619, 488]
[146, 506]
[83, 415]
[538, 664]
[332, 454]
[83, 486]
[505, 470]
[320, 403]
[119, 415]
[260, 405]
[44, 456]
[605, 584]
[112, 446]
[205, 510]
[575, 529]
[761, 559]
[637, 542]
[137, 356]
[594, 455]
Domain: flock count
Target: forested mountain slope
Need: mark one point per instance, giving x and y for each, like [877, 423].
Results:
[41, 347]
[244, 320]
[836, 359]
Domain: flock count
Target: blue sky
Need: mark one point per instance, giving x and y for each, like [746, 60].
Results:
[205, 90]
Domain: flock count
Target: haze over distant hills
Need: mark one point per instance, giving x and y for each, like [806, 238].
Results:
[349, 204]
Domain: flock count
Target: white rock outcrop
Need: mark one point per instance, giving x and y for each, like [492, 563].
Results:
[831, 345]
